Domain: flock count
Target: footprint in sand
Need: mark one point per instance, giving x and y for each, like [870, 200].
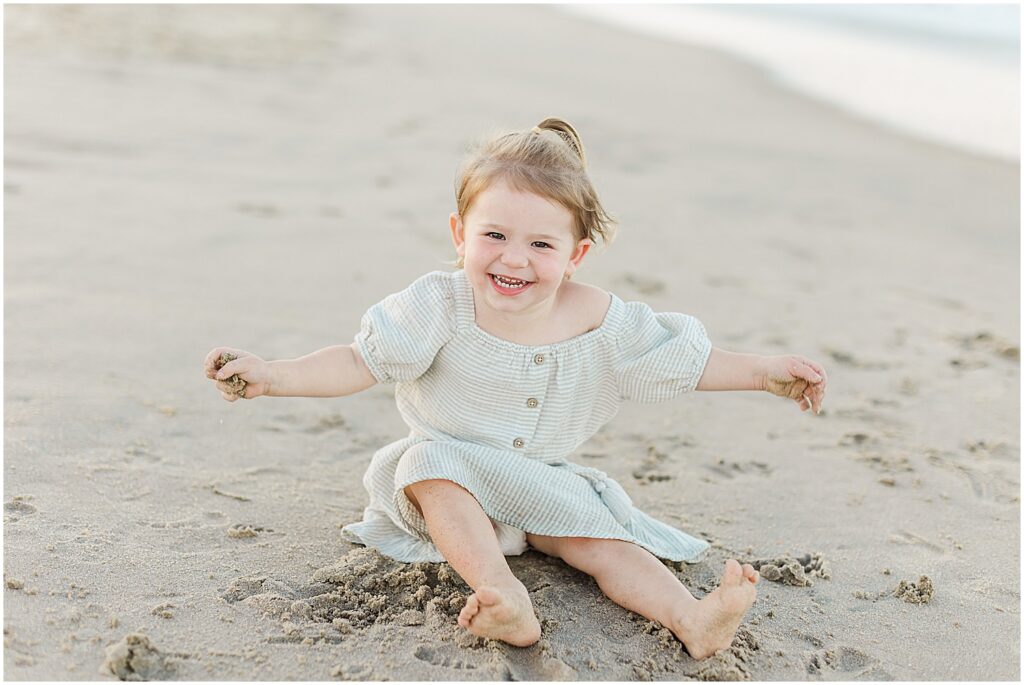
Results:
[433, 657]
[531, 665]
[242, 531]
[885, 463]
[356, 672]
[993, 448]
[852, 663]
[649, 471]
[328, 422]
[988, 480]
[983, 341]
[18, 507]
[731, 469]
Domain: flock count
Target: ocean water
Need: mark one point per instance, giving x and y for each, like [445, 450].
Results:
[945, 73]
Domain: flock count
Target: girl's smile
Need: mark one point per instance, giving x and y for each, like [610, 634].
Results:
[508, 286]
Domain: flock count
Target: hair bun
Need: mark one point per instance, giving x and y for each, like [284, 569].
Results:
[566, 132]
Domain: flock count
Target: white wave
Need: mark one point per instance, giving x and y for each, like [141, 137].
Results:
[958, 83]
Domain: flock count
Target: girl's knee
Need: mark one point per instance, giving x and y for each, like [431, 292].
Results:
[545, 544]
[429, 489]
[590, 554]
[574, 551]
[585, 546]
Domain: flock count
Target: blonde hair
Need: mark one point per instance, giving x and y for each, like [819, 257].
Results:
[547, 160]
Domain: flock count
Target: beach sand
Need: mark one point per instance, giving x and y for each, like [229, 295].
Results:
[178, 178]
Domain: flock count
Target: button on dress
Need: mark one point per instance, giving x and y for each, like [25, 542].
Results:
[503, 419]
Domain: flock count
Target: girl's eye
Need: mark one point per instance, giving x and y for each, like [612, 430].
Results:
[496, 236]
[541, 244]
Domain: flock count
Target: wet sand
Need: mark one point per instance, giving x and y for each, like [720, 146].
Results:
[178, 178]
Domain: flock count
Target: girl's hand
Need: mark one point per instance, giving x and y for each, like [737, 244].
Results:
[246, 366]
[797, 378]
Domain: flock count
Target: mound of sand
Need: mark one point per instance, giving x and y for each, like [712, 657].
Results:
[793, 571]
[920, 592]
[135, 658]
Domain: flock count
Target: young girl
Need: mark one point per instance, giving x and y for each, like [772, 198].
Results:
[504, 367]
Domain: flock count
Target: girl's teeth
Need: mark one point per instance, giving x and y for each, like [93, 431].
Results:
[508, 283]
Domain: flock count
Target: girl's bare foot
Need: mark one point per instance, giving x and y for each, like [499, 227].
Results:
[502, 614]
[708, 626]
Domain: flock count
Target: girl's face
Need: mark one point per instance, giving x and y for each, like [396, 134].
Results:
[517, 248]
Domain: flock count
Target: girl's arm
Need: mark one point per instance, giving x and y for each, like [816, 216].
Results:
[732, 371]
[792, 376]
[331, 372]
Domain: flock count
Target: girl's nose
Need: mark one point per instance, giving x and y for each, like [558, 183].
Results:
[514, 257]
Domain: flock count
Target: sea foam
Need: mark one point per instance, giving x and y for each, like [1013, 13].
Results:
[945, 73]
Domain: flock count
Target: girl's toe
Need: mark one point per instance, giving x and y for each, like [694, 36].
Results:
[468, 611]
[733, 572]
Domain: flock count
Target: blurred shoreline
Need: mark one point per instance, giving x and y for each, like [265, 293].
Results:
[947, 74]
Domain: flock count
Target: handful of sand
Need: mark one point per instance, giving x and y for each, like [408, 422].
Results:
[236, 384]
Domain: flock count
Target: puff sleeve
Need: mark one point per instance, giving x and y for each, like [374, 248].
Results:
[659, 355]
[400, 335]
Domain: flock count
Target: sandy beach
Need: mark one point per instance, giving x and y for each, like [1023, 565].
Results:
[182, 177]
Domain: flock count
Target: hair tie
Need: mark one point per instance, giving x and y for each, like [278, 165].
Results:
[537, 129]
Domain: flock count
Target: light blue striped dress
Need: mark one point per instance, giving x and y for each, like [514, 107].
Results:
[502, 419]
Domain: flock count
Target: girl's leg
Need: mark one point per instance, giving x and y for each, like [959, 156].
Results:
[634, 579]
[500, 606]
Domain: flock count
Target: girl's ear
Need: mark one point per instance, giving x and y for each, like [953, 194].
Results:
[580, 251]
[458, 234]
